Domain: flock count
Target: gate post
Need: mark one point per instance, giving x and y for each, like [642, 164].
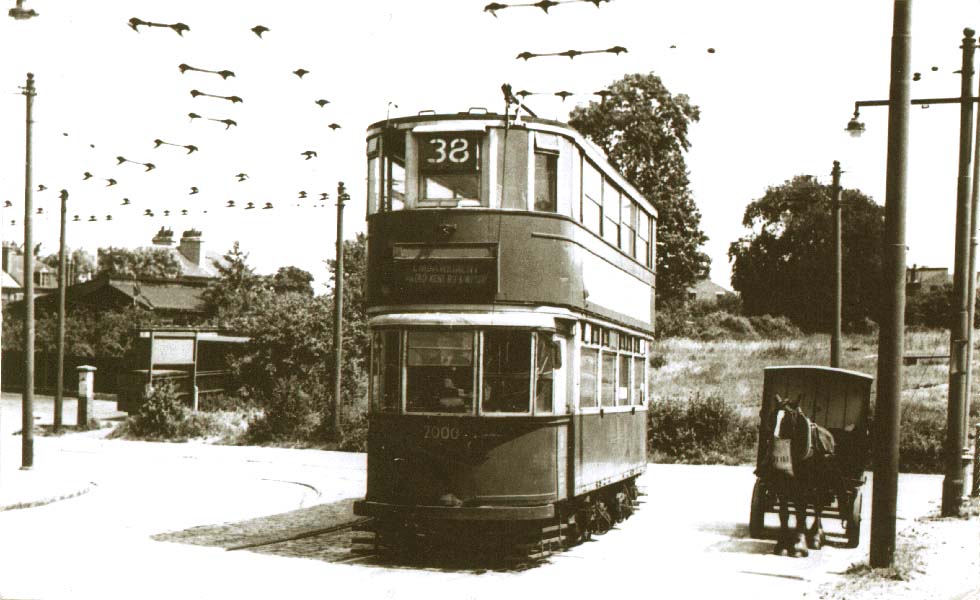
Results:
[86, 393]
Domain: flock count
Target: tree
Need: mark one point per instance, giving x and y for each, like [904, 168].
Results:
[292, 279]
[81, 265]
[237, 291]
[138, 263]
[643, 130]
[785, 265]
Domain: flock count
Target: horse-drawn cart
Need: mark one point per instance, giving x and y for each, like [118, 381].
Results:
[837, 401]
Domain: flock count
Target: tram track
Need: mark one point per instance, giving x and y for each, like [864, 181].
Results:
[303, 534]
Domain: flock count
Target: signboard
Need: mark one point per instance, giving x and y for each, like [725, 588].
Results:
[450, 152]
[445, 272]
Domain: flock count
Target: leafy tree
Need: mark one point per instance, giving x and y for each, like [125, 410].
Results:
[237, 292]
[81, 265]
[356, 342]
[292, 279]
[784, 266]
[139, 262]
[643, 129]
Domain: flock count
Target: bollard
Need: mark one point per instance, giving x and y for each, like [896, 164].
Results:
[976, 462]
[86, 392]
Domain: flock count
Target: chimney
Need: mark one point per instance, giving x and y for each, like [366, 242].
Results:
[192, 247]
[8, 255]
[164, 237]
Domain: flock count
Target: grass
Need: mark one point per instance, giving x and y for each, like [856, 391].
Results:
[682, 369]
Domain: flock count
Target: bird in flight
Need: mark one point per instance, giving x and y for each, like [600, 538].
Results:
[259, 30]
[300, 72]
[41, 187]
[193, 116]
[193, 190]
[242, 176]
[86, 175]
[148, 213]
[250, 206]
[125, 202]
[302, 193]
[231, 204]
[544, 5]
[309, 154]
[183, 212]
[74, 219]
[180, 28]
[563, 95]
[267, 206]
[108, 217]
[7, 204]
[191, 148]
[334, 126]
[111, 182]
[232, 99]
[322, 102]
[224, 73]
[324, 195]
[149, 166]
[617, 50]
[227, 122]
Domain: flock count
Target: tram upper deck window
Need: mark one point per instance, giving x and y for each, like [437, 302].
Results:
[386, 171]
[449, 169]
[591, 197]
[545, 181]
[439, 373]
[506, 371]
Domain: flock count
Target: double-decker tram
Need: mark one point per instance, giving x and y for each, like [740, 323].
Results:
[510, 297]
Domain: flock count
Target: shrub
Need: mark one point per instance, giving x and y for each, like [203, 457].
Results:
[770, 327]
[353, 429]
[159, 416]
[291, 412]
[700, 431]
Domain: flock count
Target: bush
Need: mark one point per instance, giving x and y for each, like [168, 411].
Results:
[293, 411]
[700, 431]
[778, 327]
[160, 415]
[923, 433]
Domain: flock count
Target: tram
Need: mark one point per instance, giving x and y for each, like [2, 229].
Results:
[510, 297]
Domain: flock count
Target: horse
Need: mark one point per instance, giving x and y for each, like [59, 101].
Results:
[801, 476]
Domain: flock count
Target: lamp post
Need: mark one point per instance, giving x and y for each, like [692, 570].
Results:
[835, 329]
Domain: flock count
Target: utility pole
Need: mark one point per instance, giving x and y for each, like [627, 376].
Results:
[835, 331]
[972, 302]
[27, 404]
[62, 283]
[338, 307]
[891, 336]
[960, 310]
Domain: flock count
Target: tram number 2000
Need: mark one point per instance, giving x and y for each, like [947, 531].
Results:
[436, 432]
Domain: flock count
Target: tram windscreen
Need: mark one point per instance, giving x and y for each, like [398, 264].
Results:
[439, 374]
[507, 371]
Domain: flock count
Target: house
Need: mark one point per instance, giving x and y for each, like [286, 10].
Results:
[706, 290]
[45, 278]
[196, 262]
[925, 278]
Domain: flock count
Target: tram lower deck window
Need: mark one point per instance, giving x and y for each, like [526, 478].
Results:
[506, 371]
[439, 371]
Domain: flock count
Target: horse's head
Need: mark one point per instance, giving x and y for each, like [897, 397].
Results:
[791, 423]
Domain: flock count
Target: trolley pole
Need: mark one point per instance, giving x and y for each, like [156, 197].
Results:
[338, 308]
[27, 403]
[960, 312]
[835, 342]
[891, 337]
[62, 282]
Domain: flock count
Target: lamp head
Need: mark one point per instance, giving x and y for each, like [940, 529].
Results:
[20, 13]
[854, 127]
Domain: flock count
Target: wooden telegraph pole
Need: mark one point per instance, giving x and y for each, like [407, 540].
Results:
[338, 307]
[62, 283]
[891, 337]
[27, 403]
[835, 331]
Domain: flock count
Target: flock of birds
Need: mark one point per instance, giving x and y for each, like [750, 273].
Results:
[139, 25]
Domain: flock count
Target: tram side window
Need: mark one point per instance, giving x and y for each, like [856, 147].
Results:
[391, 390]
[591, 197]
[545, 181]
[376, 361]
[544, 373]
[627, 238]
[439, 373]
[386, 172]
[623, 391]
[608, 379]
[610, 213]
[449, 169]
[643, 237]
[588, 374]
[506, 371]
[639, 380]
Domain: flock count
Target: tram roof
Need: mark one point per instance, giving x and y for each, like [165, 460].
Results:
[483, 120]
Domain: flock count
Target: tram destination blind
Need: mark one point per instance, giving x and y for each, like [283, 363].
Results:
[450, 152]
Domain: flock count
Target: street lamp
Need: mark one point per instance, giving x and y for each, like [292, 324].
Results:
[20, 13]
[961, 329]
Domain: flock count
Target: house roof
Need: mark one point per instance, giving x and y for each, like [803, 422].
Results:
[8, 280]
[166, 295]
[705, 289]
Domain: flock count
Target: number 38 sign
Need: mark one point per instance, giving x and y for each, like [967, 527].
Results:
[449, 152]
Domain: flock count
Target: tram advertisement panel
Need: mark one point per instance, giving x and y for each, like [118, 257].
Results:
[449, 271]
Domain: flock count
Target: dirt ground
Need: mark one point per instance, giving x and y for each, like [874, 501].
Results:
[934, 558]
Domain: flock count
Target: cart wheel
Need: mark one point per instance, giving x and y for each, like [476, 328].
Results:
[758, 510]
[853, 522]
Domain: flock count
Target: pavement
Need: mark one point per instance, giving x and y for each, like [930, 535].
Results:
[47, 481]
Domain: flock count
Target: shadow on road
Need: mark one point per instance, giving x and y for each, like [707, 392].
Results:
[294, 534]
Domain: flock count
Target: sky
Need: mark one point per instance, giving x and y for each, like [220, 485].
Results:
[775, 96]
